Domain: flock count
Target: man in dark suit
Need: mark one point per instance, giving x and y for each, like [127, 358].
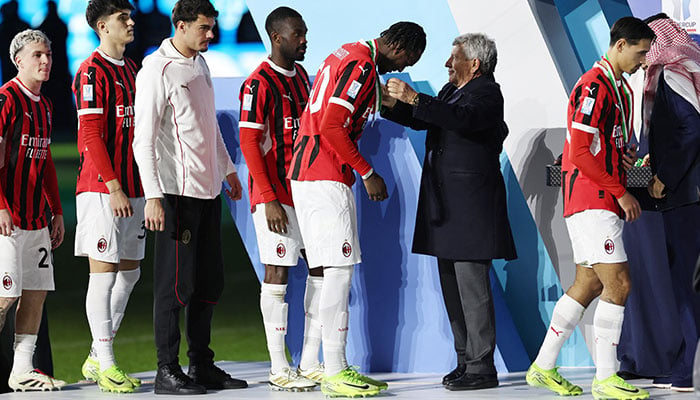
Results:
[462, 216]
[672, 102]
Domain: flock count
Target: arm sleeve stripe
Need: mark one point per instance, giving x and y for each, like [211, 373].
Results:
[585, 128]
[251, 125]
[343, 103]
[86, 111]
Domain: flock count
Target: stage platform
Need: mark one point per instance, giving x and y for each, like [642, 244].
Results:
[401, 386]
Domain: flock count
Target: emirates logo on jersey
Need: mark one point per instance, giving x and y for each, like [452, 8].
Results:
[347, 249]
[102, 245]
[7, 282]
[609, 246]
[281, 250]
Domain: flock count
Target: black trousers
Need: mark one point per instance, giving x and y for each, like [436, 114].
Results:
[187, 273]
[466, 289]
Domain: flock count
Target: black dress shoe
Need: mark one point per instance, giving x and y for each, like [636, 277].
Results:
[171, 380]
[473, 382]
[212, 377]
[454, 374]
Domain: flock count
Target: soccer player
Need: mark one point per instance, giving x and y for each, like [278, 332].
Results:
[594, 165]
[109, 200]
[182, 160]
[345, 93]
[272, 100]
[27, 182]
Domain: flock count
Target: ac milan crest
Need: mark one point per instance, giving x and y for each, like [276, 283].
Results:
[281, 250]
[102, 245]
[7, 282]
[609, 246]
[347, 249]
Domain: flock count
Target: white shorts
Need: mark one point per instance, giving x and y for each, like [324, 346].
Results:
[26, 262]
[276, 248]
[328, 222]
[102, 236]
[596, 237]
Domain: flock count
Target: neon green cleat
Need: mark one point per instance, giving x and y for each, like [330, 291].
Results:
[616, 388]
[550, 379]
[114, 380]
[380, 384]
[91, 369]
[347, 383]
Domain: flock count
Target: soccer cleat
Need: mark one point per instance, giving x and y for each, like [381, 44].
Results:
[379, 384]
[114, 380]
[288, 380]
[616, 388]
[550, 379]
[314, 373]
[91, 368]
[34, 380]
[347, 383]
[91, 371]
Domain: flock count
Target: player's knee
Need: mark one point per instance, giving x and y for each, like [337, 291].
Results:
[276, 275]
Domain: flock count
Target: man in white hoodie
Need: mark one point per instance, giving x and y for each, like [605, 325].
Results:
[182, 160]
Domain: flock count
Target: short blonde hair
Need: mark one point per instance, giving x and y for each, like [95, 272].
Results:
[25, 37]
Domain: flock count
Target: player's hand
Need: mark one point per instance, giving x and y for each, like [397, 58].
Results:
[236, 190]
[630, 206]
[58, 230]
[387, 100]
[121, 207]
[276, 217]
[656, 188]
[376, 189]
[646, 161]
[400, 90]
[629, 158]
[5, 222]
[154, 215]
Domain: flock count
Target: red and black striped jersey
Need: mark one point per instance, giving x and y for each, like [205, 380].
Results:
[27, 173]
[104, 93]
[593, 175]
[345, 90]
[272, 101]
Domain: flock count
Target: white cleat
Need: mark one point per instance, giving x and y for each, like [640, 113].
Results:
[314, 373]
[34, 380]
[288, 380]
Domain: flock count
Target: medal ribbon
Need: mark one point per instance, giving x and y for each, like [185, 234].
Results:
[627, 117]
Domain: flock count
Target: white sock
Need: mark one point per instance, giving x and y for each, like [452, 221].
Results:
[274, 312]
[312, 323]
[99, 315]
[607, 326]
[123, 285]
[333, 310]
[567, 313]
[24, 353]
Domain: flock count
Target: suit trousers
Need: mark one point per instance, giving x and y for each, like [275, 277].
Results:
[187, 273]
[466, 290]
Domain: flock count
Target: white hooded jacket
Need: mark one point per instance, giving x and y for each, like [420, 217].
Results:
[177, 142]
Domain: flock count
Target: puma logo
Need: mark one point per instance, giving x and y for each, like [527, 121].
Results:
[120, 84]
[185, 87]
[29, 115]
[288, 97]
[556, 332]
[88, 74]
[590, 90]
[363, 69]
[250, 87]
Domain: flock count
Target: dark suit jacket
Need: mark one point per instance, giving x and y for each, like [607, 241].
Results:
[674, 147]
[462, 213]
